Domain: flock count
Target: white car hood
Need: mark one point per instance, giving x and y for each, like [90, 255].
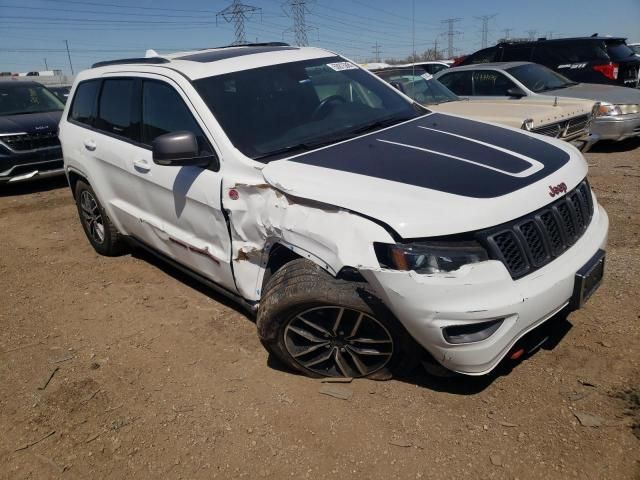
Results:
[435, 175]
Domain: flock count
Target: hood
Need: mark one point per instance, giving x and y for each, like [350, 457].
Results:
[513, 112]
[600, 93]
[434, 175]
[30, 122]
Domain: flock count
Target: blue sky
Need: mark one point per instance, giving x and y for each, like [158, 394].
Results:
[34, 30]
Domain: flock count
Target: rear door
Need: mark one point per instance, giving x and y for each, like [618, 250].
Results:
[180, 207]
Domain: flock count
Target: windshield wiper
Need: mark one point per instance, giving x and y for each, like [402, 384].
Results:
[378, 124]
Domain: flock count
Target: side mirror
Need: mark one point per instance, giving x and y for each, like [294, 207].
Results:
[178, 149]
[516, 92]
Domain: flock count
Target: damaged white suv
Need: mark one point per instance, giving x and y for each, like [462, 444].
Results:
[357, 224]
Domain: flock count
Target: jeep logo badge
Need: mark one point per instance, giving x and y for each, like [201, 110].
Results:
[558, 189]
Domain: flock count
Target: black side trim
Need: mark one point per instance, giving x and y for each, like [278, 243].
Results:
[250, 307]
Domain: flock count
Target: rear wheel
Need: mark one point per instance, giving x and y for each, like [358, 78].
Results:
[102, 234]
[326, 327]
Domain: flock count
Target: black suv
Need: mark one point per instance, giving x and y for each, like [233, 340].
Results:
[589, 60]
[29, 145]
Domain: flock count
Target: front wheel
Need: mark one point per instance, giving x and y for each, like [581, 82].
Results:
[326, 327]
[102, 234]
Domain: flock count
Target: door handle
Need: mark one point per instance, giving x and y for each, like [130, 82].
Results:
[90, 145]
[141, 165]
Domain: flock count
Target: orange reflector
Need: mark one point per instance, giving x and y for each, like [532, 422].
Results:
[515, 355]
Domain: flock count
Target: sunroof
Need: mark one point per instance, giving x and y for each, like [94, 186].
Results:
[224, 53]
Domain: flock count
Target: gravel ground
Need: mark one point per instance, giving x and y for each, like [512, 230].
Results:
[121, 367]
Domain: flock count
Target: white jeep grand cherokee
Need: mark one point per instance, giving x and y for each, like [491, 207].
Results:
[357, 224]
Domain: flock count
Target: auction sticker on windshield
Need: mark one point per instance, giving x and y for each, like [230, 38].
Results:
[339, 66]
[427, 76]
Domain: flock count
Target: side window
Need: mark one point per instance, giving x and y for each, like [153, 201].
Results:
[83, 108]
[164, 111]
[458, 82]
[517, 53]
[489, 83]
[485, 56]
[117, 108]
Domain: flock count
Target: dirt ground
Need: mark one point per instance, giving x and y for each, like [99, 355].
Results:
[151, 376]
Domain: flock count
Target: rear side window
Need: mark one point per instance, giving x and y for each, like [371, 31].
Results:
[164, 111]
[83, 109]
[483, 56]
[117, 108]
[458, 82]
[555, 53]
[517, 53]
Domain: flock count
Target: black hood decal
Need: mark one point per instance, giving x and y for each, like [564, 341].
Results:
[445, 153]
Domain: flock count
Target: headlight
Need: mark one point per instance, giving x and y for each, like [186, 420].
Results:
[614, 110]
[429, 257]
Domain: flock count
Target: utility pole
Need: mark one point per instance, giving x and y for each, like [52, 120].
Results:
[46, 67]
[507, 33]
[550, 34]
[451, 33]
[532, 34]
[237, 13]
[376, 51]
[297, 9]
[485, 28]
[436, 52]
[69, 55]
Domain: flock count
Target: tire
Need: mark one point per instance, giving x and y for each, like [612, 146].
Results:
[327, 327]
[102, 234]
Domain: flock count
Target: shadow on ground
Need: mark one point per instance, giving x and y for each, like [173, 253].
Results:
[606, 146]
[33, 186]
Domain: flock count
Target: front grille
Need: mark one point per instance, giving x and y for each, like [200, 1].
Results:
[566, 128]
[577, 125]
[31, 141]
[534, 240]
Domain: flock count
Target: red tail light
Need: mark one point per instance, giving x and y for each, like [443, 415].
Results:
[609, 70]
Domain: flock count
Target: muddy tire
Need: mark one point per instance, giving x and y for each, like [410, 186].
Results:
[102, 234]
[326, 327]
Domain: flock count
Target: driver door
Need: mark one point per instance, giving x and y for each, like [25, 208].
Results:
[181, 206]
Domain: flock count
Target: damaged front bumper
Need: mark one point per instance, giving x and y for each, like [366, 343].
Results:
[483, 292]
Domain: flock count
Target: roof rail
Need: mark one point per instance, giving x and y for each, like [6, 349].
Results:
[122, 61]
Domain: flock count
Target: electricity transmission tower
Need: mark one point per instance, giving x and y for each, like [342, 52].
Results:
[485, 28]
[297, 9]
[532, 34]
[451, 33]
[507, 33]
[237, 13]
[377, 51]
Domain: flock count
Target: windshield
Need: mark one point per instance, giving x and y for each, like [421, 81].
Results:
[423, 88]
[16, 99]
[274, 110]
[538, 78]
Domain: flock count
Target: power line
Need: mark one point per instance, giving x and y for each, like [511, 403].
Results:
[451, 33]
[532, 34]
[237, 13]
[485, 28]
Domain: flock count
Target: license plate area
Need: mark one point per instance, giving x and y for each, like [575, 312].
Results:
[588, 279]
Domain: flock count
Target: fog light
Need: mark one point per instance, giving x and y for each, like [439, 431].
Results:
[470, 333]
